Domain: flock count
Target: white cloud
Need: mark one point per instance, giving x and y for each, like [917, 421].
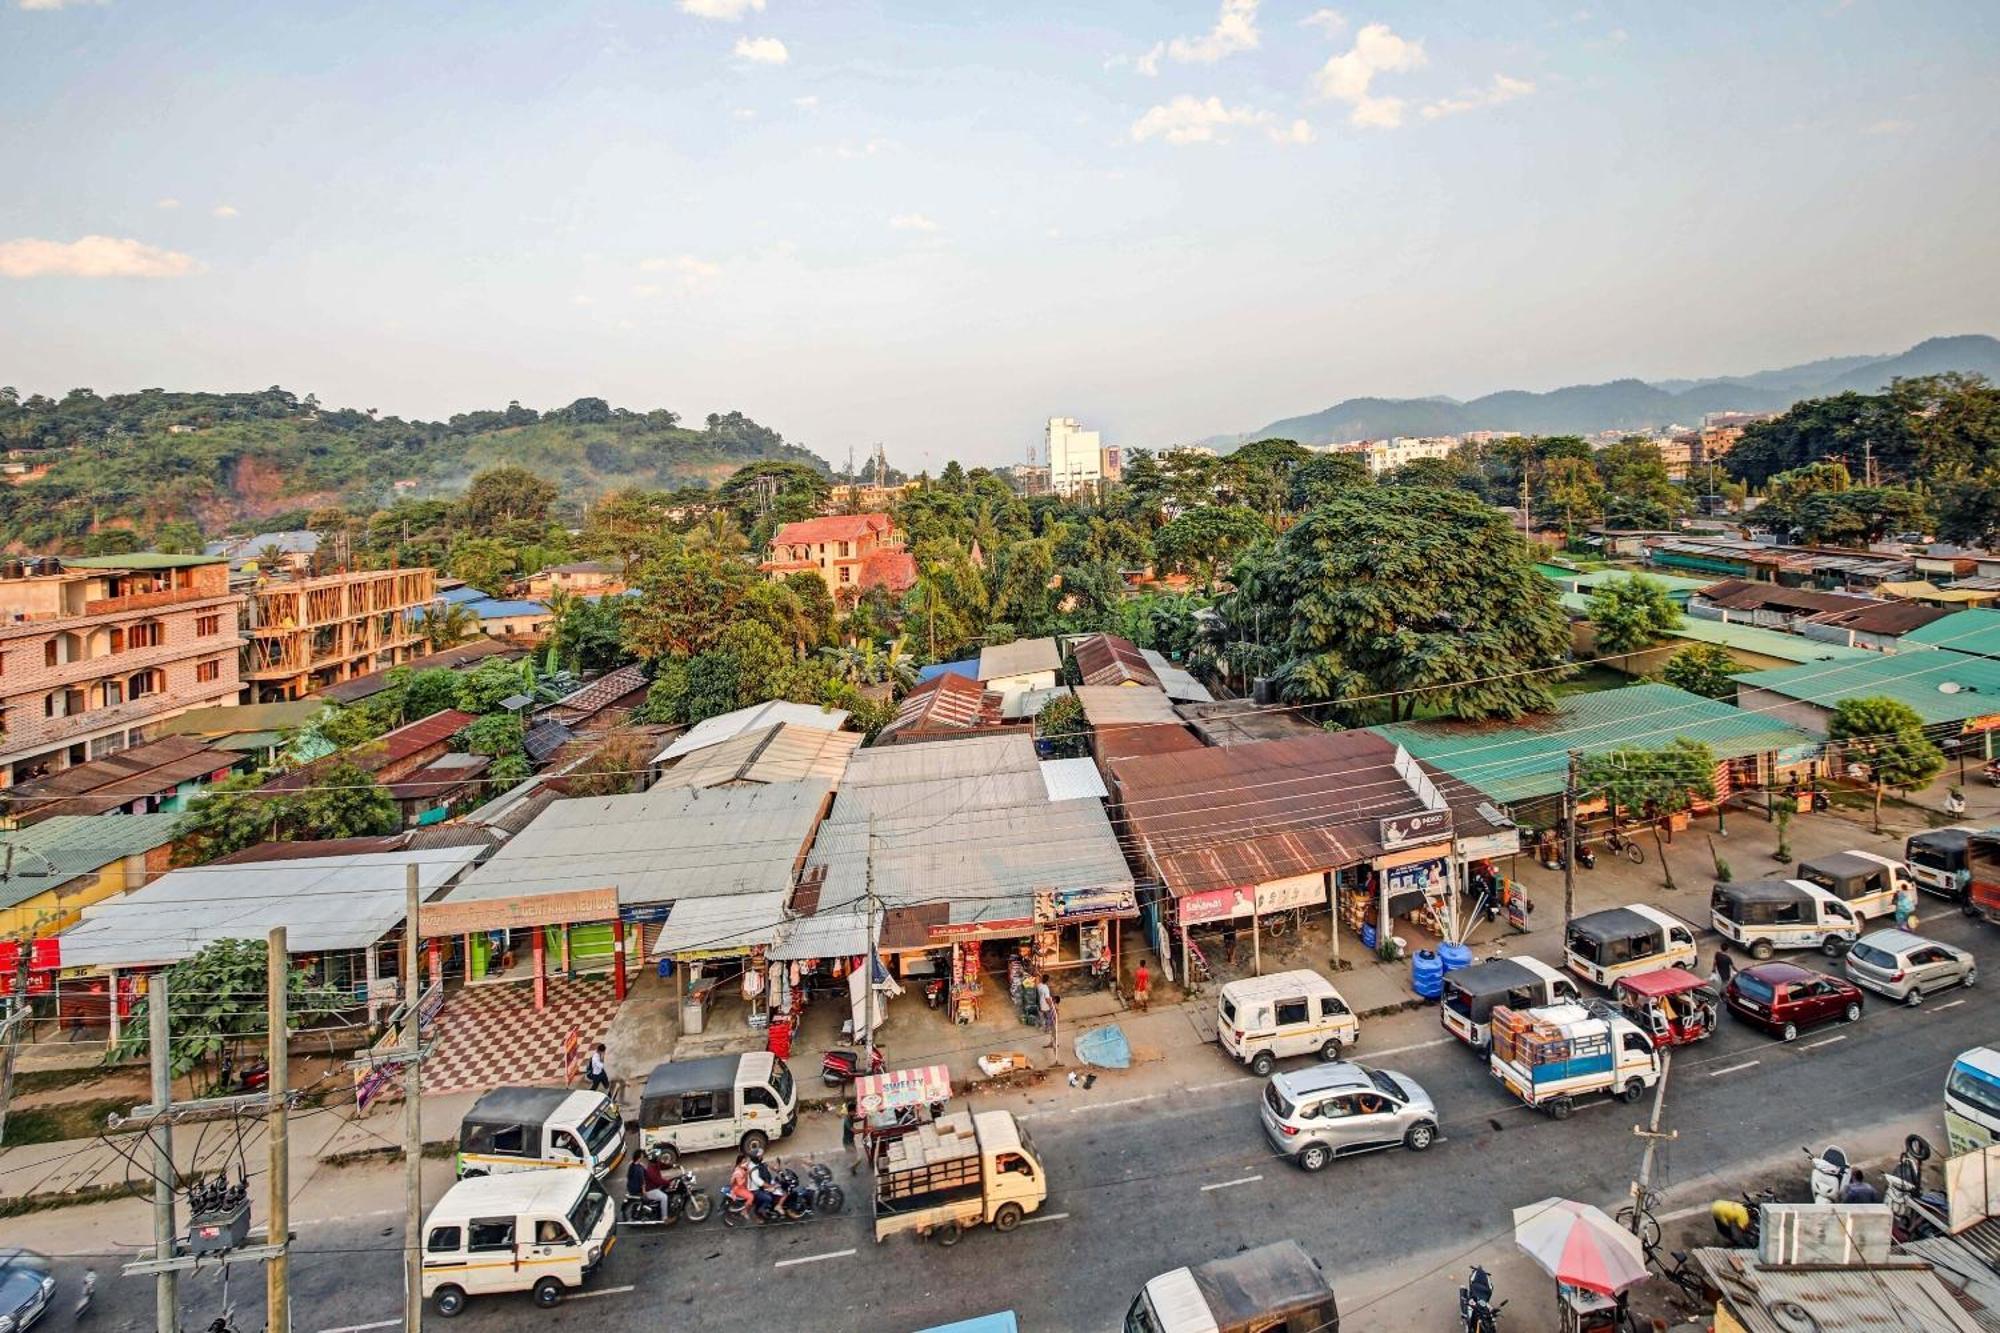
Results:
[745, 113]
[646, 289]
[1502, 89]
[1235, 30]
[854, 150]
[581, 299]
[1350, 76]
[690, 270]
[911, 222]
[1298, 132]
[90, 257]
[167, 203]
[224, 210]
[806, 103]
[762, 50]
[1328, 21]
[727, 10]
[57, 4]
[1191, 120]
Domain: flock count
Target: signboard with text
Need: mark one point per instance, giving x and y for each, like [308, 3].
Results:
[1414, 829]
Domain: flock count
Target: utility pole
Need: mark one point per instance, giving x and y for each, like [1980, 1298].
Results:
[413, 1117]
[1569, 844]
[868, 976]
[166, 1283]
[277, 1273]
[1525, 537]
[1642, 1187]
[14, 1028]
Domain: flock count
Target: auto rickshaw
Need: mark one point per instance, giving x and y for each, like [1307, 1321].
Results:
[1672, 1005]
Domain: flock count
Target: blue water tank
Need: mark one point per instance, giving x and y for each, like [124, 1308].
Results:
[1454, 956]
[1427, 974]
[1368, 937]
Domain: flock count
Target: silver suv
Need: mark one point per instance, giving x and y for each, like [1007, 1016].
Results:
[1342, 1108]
[1904, 967]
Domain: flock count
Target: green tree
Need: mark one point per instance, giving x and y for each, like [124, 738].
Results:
[1653, 783]
[686, 599]
[446, 625]
[481, 689]
[1639, 493]
[590, 635]
[1324, 476]
[1061, 726]
[1569, 487]
[219, 999]
[1207, 537]
[1886, 737]
[111, 541]
[1630, 614]
[486, 563]
[342, 800]
[1420, 594]
[1704, 669]
[501, 498]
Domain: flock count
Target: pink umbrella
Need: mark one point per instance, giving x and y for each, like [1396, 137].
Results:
[1579, 1246]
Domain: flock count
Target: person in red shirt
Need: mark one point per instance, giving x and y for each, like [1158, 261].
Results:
[1142, 986]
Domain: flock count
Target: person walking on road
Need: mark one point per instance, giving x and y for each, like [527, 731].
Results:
[1906, 907]
[600, 1077]
[1046, 1000]
[1142, 987]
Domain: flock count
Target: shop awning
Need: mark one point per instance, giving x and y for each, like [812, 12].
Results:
[730, 925]
[840, 933]
[897, 1088]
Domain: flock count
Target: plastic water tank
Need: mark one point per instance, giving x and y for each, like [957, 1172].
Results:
[1427, 974]
[1368, 937]
[1454, 956]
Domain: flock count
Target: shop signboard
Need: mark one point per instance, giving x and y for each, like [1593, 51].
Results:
[1213, 905]
[650, 914]
[1984, 722]
[1057, 905]
[1281, 895]
[1409, 887]
[1415, 829]
[526, 912]
[44, 961]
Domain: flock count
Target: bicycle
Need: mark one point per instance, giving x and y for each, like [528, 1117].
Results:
[1280, 924]
[1691, 1286]
[1648, 1228]
[1619, 845]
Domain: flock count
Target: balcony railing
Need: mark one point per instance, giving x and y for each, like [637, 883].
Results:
[31, 733]
[147, 601]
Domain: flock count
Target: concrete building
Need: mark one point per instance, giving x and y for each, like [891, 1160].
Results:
[1076, 456]
[584, 578]
[308, 633]
[1388, 455]
[837, 548]
[96, 651]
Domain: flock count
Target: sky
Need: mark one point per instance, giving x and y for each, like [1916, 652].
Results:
[935, 224]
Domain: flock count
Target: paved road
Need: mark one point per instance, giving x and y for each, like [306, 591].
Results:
[1145, 1185]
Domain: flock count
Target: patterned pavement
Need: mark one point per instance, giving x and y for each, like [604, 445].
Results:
[493, 1034]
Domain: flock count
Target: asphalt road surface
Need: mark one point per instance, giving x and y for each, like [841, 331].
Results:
[1144, 1185]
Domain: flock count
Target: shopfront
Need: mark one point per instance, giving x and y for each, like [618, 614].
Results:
[528, 932]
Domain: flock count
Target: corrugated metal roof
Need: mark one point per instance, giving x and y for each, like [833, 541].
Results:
[944, 703]
[1744, 638]
[1073, 780]
[389, 748]
[1178, 682]
[715, 730]
[1022, 657]
[1855, 1299]
[1127, 742]
[64, 848]
[739, 921]
[842, 932]
[495, 608]
[1886, 617]
[658, 846]
[601, 693]
[1517, 761]
[150, 769]
[1106, 659]
[1972, 631]
[228, 719]
[1124, 705]
[780, 753]
[1913, 677]
[334, 902]
[1017, 705]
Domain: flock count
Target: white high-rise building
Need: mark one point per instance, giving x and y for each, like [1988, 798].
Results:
[1076, 457]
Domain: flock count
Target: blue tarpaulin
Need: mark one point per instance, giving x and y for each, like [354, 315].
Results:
[1104, 1047]
[1004, 1322]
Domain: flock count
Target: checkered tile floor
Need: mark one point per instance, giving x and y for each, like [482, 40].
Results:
[494, 1034]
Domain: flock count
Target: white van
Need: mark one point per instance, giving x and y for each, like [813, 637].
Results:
[1865, 881]
[1261, 1020]
[529, 1129]
[1624, 941]
[1472, 993]
[539, 1231]
[724, 1101]
[1768, 914]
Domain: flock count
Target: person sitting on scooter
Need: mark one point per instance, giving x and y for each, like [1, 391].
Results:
[739, 1182]
[764, 1191]
[657, 1178]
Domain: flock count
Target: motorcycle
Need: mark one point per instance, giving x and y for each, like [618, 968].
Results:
[253, 1077]
[1915, 1212]
[843, 1066]
[1476, 1311]
[1586, 858]
[827, 1197]
[933, 994]
[684, 1199]
[1830, 1174]
[1739, 1222]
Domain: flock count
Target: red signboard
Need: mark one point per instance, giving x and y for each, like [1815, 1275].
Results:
[1213, 905]
[44, 961]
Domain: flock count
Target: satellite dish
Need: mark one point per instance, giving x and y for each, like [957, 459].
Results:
[1948, 687]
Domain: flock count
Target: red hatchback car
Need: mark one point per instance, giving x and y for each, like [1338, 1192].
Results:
[1785, 999]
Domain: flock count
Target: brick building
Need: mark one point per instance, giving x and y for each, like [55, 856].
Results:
[308, 633]
[837, 548]
[96, 651]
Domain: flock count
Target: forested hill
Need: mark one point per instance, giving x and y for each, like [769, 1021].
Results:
[227, 461]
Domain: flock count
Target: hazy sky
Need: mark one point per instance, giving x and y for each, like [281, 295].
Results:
[936, 223]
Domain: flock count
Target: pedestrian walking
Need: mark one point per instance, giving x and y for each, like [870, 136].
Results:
[1906, 908]
[600, 1077]
[1046, 1000]
[850, 1137]
[1142, 987]
[1719, 974]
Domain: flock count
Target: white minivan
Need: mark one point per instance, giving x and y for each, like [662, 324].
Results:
[528, 1129]
[721, 1101]
[1261, 1020]
[1767, 914]
[538, 1231]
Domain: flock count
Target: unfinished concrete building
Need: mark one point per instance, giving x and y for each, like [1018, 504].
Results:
[304, 634]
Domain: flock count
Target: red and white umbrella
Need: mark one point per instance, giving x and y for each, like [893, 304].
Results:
[1579, 1246]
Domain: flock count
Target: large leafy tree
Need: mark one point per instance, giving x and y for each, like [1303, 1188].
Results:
[1206, 538]
[1061, 727]
[342, 800]
[1652, 783]
[1639, 493]
[1420, 594]
[1704, 669]
[502, 498]
[686, 599]
[487, 563]
[1886, 737]
[1630, 614]
[219, 998]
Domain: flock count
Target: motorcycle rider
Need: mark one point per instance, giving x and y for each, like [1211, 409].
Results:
[635, 1179]
[657, 1180]
[764, 1190]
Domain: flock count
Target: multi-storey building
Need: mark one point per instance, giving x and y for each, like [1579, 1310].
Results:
[1388, 455]
[308, 633]
[1078, 458]
[847, 551]
[97, 650]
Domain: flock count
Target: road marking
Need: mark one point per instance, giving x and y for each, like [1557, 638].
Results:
[1232, 1082]
[1733, 1069]
[1823, 1041]
[608, 1291]
[1413, 1046]
[812, 1258]
[1225, 1184]
[1953, 1005]
[1106, 1106]
[363, 1328]
[1048, 1217]
[1679, 1213]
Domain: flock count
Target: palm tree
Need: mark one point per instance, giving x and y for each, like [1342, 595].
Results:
[897, 668]
[442, 626]
[717, 532]
[847, 663]
[270, 558]
[931, 598]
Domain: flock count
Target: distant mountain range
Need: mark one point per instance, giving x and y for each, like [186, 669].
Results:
[1628, 404]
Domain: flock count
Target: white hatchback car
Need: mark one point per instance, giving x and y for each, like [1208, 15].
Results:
[1906, 967]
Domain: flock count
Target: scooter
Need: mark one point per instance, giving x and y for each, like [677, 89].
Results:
[1476, 1311]
[253, 1077]
[842, 1066]
[684, 1199]
[1915, 1212]
[88, 1294]
[1586, 858]
[933, 994]
[1739, 1222]
[1830, 1174]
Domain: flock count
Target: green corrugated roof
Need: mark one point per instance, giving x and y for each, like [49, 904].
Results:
[1913, 677]
[1594, 578]
[1517, 761]
[1969, 631]
[1746, 638]
[225, 720]
[76, 845]
[143, 560]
